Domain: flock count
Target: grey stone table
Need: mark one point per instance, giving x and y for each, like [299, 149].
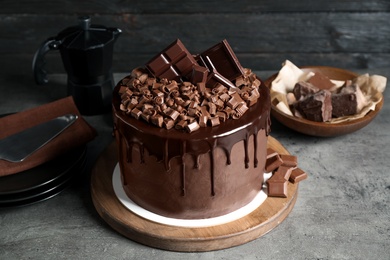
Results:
[342, 211]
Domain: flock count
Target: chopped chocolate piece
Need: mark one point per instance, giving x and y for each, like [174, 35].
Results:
[321, 81]
[297, 175]
[316, 107]
[344, 104]
[302, 89]
[277, 187]
[224, 60]
[289, 160]
[349, 101]
[172, 63]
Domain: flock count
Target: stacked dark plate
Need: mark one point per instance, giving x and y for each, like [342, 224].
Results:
[42, 182]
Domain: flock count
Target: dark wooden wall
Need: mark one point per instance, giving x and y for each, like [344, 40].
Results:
[342, 33]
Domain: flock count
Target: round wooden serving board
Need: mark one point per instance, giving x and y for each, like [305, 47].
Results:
[263, 219]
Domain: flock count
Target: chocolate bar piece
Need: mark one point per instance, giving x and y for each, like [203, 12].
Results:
[302, 89]
[277, 187]
[214, 78]
[283, 172]
[297, 175]
[224, 60]
[172, 63]
[289, 160]
[273, 162]
[316, 107]
[321, 81]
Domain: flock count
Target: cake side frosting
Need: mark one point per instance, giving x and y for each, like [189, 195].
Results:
[201, 152]
[235, 147]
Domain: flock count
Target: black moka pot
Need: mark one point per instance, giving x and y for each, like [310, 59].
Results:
[86, 52]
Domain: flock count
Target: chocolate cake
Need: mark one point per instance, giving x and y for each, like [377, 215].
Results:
[192, 133]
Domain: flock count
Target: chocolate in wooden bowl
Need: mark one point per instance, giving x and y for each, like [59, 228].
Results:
[324, 129]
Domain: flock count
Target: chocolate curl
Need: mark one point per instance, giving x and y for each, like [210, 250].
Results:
[122, 89]
[233, 102]
[151, 81]
[158, 93]
[158, 100]
[229, 111]
[240, 110]
[145, 116]
[214, 121]
[222, 116]
[212, 109]
[143, 77]
[204, 111]
[224, 97]
[192, 127]
[137, 72]
[168, 123]
[136, 113]
[240, 81]
[171, 113]
[203, 121]
[157, 120]
[181, 125]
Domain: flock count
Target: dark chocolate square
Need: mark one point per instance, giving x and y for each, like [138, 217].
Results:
[224, 60]
[172, 63]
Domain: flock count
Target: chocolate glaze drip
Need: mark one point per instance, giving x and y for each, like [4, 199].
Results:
[166, 144]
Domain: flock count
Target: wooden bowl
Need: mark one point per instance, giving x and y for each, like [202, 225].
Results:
[320, 128]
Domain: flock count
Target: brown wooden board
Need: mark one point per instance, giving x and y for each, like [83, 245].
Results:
[263, 219]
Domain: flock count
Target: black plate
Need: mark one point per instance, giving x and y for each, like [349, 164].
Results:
[23, 188]
[42, 174]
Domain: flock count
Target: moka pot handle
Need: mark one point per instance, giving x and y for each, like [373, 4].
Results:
[38, 65]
